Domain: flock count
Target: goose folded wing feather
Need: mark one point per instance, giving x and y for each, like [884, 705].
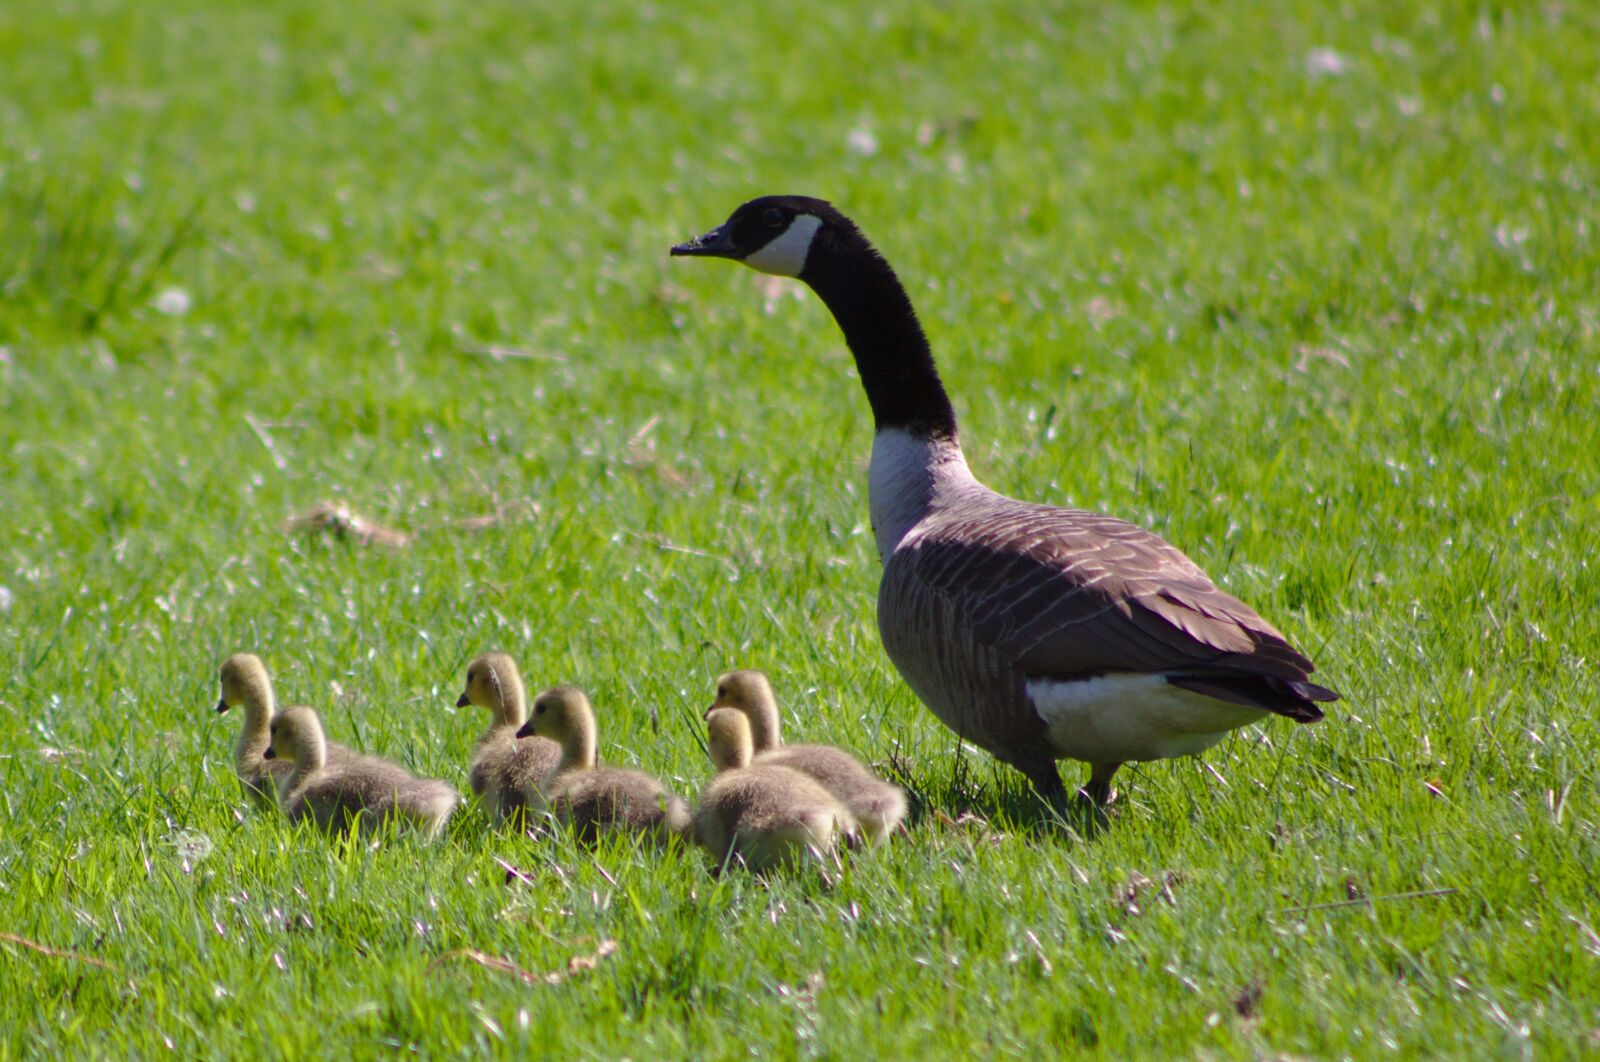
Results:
[1069, 599]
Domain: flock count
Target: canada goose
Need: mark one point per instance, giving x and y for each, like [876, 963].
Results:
[588, 797]
[1038, 632]
[876, 805]
[365, 786]
[504, 768]
[765, 814]
[244, 682]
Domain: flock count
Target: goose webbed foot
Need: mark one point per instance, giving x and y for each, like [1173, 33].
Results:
[1096, 794]
[1084, 809]
[1053, 794]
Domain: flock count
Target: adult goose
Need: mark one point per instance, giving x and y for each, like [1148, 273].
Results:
[1036, 632]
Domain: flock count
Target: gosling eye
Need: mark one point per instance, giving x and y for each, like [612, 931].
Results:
[722, 691]
[773, 217]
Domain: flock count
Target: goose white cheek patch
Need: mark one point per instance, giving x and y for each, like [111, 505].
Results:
[786, 255]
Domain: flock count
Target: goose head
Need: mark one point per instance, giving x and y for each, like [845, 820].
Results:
[777, 234]
[296, 737]
[244, 681]
[748, 692]
[728, 739]
[493, 682]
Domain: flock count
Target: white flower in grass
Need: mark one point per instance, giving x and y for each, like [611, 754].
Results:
[174, 302]
[192, 847]
[1325, 62]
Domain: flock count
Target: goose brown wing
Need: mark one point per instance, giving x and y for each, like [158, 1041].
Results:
[1066, 592]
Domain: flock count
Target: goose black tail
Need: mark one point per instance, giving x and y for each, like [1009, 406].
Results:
[1294, 698]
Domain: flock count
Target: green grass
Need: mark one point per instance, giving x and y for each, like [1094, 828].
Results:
[1332, 333]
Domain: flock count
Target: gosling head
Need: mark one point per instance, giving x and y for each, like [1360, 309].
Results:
[243, 678]
[746, 690]
[728, 739]
[493, 682]
[778, 234]
[558, 713]
[296, 732]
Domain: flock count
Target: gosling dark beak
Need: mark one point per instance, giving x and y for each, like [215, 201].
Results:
[718, 243]
[462, 701]
[222, 705]
[527, 729]
[269, 754]
[707, 713]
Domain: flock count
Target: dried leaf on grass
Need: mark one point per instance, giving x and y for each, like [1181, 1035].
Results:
[513, 874]
[340, 522]
[1307, 354]
[500, 352]
[1137, 885]
[1364, 901]
[1248, 1000]
[479, 523]
[576, 964]
[55, 953]
[640, 452]
[967, 822]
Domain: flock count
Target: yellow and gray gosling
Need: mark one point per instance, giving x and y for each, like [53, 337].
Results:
[503, 767]
[588, 797]
[877, 805]
[365, 789]
[761, 814]
[245, 684]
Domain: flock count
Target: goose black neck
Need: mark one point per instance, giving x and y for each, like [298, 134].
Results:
[879, 323]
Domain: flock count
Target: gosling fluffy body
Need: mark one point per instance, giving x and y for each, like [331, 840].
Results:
[505, 768]
[763, 815]
[591, 798]
[877, 805]
[245, 684]
[364, 790]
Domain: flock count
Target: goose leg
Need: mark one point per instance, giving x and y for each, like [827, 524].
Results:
[1097, 793]
[1047, 783]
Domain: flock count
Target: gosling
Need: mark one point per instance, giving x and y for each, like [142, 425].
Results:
[504, 768]
[877, 805]
[245, 684]
[761, 814]
[363, 789]
[592, 799]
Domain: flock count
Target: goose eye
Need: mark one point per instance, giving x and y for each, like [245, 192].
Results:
[773, 217]
[722, 691]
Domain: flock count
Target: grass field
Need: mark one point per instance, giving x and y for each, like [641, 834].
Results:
[1310, 289]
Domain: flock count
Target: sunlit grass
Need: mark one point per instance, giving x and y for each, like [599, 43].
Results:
[1308, 289]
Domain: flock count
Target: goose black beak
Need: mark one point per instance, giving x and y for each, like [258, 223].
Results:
[269, 754]
[718, 243]
[222, 705]
[462, 701]
[527, 730]
[707, 713]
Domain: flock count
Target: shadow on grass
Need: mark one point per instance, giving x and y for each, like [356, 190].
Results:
[984, 788]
